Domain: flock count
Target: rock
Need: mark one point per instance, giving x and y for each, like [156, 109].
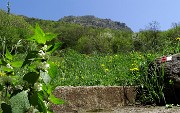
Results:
[93, 98]
[170, 66]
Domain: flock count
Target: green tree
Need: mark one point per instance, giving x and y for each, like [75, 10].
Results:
[12, 30]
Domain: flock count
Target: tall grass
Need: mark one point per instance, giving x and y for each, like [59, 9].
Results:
[90, 70]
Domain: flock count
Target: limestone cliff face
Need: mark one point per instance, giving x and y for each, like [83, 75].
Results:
[90, 20]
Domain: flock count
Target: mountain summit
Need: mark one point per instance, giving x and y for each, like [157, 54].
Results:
[90, 20]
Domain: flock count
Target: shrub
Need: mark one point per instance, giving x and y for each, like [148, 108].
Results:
[34, 92]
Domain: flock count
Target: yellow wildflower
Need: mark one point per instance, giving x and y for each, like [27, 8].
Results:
[149, 55]
[178, 38]
[102, 65]
[134, 64]
[62, 78]
[106, 69]
[134, 69]
[2, 73]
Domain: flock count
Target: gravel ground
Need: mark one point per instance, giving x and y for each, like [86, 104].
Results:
[141, 109]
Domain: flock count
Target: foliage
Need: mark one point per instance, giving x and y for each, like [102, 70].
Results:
[34, 92]
[90, 70]
[20, 102]
[94, 53]
[13, 29]
[73, 35]
[149, 78]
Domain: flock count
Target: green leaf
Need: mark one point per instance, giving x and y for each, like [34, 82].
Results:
[49, 89]
[29, 58]
[53, 70]
[16, 64]
[20, 102]
[54, 47]
[55, 100]
[8, 55]
[45, 76]
[50, 36]
[6, 69]
[6, 108]
[1, 87]
[41, 104]
[1, 62]
[39, 35]
[31, 77]
[36, 99]
[33, 99]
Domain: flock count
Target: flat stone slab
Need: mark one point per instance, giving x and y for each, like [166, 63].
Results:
[138, 109]
[93, 98]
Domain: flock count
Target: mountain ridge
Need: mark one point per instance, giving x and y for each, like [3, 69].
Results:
[91, 20]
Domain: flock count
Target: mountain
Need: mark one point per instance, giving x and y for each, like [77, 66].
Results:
[90, 20]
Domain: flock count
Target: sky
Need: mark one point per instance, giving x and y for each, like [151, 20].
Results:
[137, 14]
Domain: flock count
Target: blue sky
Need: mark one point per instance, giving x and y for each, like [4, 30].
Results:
[137, 14]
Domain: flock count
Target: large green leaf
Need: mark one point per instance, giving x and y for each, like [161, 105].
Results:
[39, 35]
[50, 36]
[6, 108]
[54, 47]
[53, 70]
[2, 62]
[41, 103]
[16, 64]
[36, 99]
[47, 89]
[8, 55]
[6, 69]
[55, 100]
[31, 77]
[33, 99]
[29, 58]
[20, 102]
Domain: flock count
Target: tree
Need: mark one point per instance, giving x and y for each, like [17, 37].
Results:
[151, 37]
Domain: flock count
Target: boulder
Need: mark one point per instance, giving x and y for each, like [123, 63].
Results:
[93, 98]
[170, 67]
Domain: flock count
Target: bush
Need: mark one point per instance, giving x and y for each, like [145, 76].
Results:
[13, 29]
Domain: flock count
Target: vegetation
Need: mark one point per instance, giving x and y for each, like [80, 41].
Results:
[93, 52]
[32, 91]
[13, 29]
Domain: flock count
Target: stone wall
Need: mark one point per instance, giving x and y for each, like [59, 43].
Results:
[93, 98]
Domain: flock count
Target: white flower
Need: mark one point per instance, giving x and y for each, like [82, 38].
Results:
[46, 103]
[41, 53]
[38, 86]
[44, 48]
[9, 66]
[19, 42]
[45, 65]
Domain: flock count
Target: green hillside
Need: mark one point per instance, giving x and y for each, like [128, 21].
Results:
[89, 52]
[88, 34]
